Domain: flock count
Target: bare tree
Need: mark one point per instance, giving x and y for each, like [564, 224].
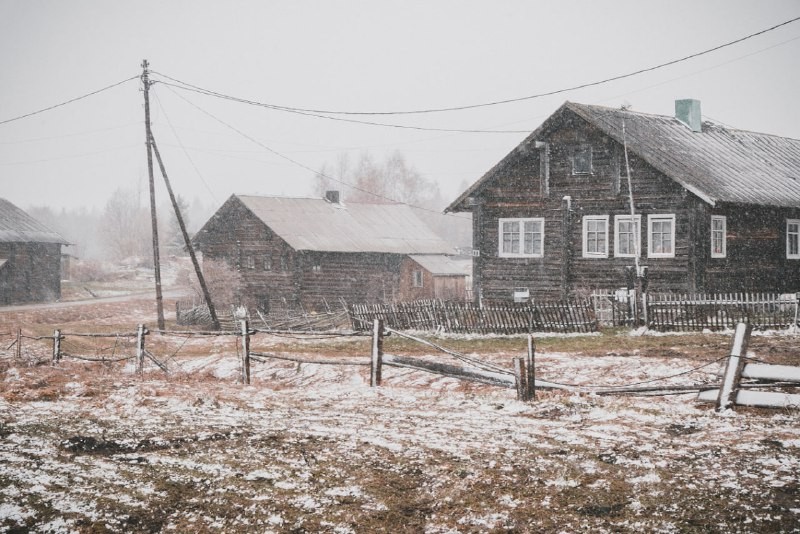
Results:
[125, 227]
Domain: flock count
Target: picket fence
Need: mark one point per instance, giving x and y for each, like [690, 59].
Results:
[466, 317]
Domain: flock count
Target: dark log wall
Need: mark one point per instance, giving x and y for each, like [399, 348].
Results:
[327, 277]
[31, 274]
[517, 192]
[756, 251]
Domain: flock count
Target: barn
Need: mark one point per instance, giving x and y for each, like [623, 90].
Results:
[30, 258]
[315, 252]
[704, 208]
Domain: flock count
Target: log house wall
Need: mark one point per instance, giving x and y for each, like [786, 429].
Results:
[31, 274]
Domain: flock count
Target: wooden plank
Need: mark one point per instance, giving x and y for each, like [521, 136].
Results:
[763, 399]
[377, 354]
[733, 368]
[765, 371]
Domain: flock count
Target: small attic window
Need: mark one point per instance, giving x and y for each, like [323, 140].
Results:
[582, 159]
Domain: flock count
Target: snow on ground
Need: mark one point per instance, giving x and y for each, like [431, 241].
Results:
[312, 448]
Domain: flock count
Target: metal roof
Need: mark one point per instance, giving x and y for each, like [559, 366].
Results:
[718, 164]
[319, 225]
[16, 226]
[439, 264]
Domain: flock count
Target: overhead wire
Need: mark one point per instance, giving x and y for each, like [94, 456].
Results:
[498, 102]
[70, 101]
[194, 89]
[306, 167]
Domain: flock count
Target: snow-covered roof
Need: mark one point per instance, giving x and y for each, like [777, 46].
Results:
[442, 265]
[718, 164]
[316, 224]
[16, 226]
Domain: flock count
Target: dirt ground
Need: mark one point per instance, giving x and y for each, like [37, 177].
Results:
[94, 447]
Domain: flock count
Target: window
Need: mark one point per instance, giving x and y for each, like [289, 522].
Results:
[267, 263]
[521, 238]
[595, 236]
[793, 239]
[627, 236]
[718, 236]
[250, 262]
[284, 263]
[316, 268]
[582, 159]
[416, 278]
[661, 236]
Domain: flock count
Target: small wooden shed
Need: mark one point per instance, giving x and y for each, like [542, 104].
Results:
[30, 258]
[435, 276]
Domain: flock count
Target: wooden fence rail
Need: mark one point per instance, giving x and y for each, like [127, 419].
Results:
[496, 318]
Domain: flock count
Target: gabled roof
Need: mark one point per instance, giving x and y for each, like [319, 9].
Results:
[718, 164]
[442, 265]
[16, 226]
[315, 224]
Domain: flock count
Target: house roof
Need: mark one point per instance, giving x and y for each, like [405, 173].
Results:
[442, 265]
[319, 225]
[16, 226]
[718, 164]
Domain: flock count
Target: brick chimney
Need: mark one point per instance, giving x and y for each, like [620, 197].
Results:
[688, 112]
[332, 196]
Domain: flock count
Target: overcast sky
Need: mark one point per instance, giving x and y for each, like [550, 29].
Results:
[354, 56]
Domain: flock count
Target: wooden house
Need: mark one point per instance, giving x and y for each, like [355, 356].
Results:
[315, 252]
[704, 207]
[435, 276]
[30, 258]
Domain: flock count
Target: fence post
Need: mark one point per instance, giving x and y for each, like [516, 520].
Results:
[56, 346]
[530, 365]
[733, 369]
[19, 343]
[520, 379]
[377, 353]
[140, 332]
[245, 352]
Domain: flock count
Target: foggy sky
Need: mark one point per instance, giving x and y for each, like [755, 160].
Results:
[357, 56]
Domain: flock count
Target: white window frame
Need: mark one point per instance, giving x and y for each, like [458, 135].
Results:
[637, 228]
[417, 280]
[792, 234]
[723, 237]
[520, 230]
[651, 220]
[594, 218]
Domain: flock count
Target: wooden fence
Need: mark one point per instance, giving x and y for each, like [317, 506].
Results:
[461, 317]
[706, 311]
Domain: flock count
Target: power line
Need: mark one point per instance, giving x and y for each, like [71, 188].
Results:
[188, 87]
[87, 95]
[306, 167]
[496, 102]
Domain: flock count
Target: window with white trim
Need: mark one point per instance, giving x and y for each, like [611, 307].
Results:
[718, 236]
[793, 239]
[661, 236]
[627, 236]
[595, 236]
[521, 238]
[416, 278]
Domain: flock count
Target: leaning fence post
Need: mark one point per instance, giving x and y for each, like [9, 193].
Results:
[56, 346]
[530, 365]
[733, 369]
[377, 353]
[19, 343]
[245, 352]
[140, 332]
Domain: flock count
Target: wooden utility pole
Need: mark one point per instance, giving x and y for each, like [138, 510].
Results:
[153, 220]
[186, 240]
